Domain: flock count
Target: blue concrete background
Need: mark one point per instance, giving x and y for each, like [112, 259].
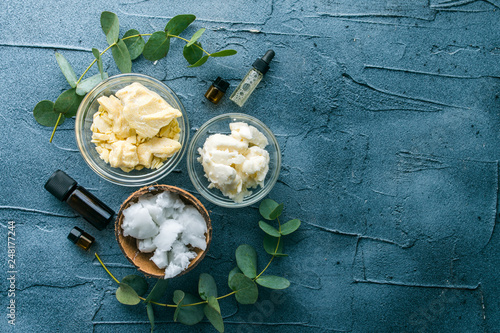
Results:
[387, 113]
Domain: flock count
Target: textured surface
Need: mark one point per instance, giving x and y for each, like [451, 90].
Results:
[387, 113]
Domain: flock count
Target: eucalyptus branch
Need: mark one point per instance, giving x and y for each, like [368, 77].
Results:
[243, 279]
[125, 49]
[161, 304]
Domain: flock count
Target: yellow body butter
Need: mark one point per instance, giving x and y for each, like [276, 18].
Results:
[136, 129]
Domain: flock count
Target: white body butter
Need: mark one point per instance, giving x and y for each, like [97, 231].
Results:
[237, 162]
[163, 224]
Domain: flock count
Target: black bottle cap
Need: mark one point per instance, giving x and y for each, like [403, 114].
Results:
[262, 64]
[60, 185]
[75, 234]
[221, 84]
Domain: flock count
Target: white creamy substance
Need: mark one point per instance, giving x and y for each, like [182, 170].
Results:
[163, 224]
[237, 162]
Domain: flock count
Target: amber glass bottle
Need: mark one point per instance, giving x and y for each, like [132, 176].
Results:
[65, 188]
[81, 238]
[217, 90]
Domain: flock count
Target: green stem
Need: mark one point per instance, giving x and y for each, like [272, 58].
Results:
[231, 293]
[85, 72]
[187, 40]
[93, 62]
[204, 302]
[275, 251]
[193, 304]
[139, 35]
[168, 35]
[105, 268]
[55, 127]
[269, 263]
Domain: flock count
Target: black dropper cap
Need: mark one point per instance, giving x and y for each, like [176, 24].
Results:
[221, 84]
[75, 234]
[262, 64]
[60, 185]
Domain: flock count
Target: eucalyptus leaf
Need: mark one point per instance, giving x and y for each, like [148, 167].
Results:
[191, 315]
[125, 294]
[213, 303]
[270, 209]
[67, 103]
[176, 313]
[151, 315]
[98, 57]
[223, 53]
[122, 57]
[66, 69]
[207, 286]
[87, 85]
[135, 45]
[177, 298]
[273, 282]
[200, 62]
[277, 212]
[110, 26]
[232, 272]
[192, 53]
[158, 291]
[45, 115]
[270, 244]
[212, 312]
[268, 229]
[138, 283]
[290, 226]
[179, 23]
[157, 46]
[246, 290]
[196, 36]
[187, 315]
[246, 258]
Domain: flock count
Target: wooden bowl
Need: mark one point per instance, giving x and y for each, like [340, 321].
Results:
[128, 244]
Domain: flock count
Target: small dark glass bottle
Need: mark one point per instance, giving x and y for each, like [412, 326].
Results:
[81, 238]
[65, 188]
[217, 90]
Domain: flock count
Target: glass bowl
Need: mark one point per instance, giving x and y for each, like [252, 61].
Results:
[220, 124]
[84, 119]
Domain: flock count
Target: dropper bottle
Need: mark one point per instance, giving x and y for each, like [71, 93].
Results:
[252, 79]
